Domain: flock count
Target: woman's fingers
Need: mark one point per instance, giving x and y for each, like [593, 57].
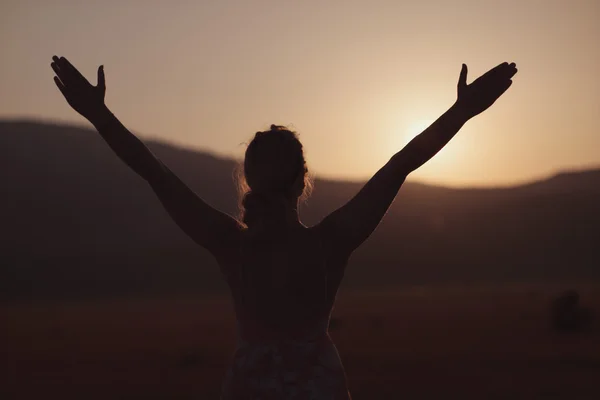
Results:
[506, 86]
[69, 67]
[462, 79]
[498, 69]
[500, 89]
[497, 76]
[68, 74]
[55, 68]
[503, 77]
[60, 71]
[60, 86]
[505, 71]
[64, 63]
[101, 79]
[497, 72]
[494, 71]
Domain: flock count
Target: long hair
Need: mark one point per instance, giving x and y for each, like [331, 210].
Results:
[273, 174]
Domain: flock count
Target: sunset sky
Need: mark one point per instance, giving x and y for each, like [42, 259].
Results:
[356, 79]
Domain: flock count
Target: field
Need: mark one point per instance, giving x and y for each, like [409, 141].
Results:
[422, 343]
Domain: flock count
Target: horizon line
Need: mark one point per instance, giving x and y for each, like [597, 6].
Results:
[319, 176]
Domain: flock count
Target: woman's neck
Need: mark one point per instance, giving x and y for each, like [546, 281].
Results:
[284, 219]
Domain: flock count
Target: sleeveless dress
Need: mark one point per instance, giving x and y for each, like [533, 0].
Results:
[284, 351]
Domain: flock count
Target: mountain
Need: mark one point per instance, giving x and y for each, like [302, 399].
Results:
[76, 222]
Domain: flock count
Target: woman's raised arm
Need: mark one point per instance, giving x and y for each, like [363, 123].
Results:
[210, 228]
[347, 227]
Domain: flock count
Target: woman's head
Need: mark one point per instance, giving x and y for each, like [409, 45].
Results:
[274, 174]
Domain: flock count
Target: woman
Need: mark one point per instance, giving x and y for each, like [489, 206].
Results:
[283, 275]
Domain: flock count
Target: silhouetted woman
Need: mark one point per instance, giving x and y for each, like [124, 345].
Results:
[283, 275]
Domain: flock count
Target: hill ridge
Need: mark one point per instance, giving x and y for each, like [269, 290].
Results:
[76, 222]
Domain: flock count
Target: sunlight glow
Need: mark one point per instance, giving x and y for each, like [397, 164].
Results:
[443, 163]
[417, 127]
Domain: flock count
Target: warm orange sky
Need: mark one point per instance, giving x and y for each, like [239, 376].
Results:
[355, 78]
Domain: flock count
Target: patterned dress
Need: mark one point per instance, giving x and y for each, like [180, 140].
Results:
[284, 351]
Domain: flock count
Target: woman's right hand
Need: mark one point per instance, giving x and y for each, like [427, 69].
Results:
[479, 95]
[86, 99]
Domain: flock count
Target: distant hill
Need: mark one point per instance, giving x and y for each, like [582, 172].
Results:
[76, 222]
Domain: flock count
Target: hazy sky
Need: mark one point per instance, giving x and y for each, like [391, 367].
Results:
[356, 79]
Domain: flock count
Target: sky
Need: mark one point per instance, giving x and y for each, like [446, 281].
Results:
[356, 79]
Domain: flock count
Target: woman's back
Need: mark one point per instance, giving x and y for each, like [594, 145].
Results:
[283, 292]
[281, 282]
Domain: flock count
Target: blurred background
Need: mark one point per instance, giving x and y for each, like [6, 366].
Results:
[483, 277]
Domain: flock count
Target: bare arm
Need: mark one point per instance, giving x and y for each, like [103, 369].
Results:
[207, 226]
[350, 225]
